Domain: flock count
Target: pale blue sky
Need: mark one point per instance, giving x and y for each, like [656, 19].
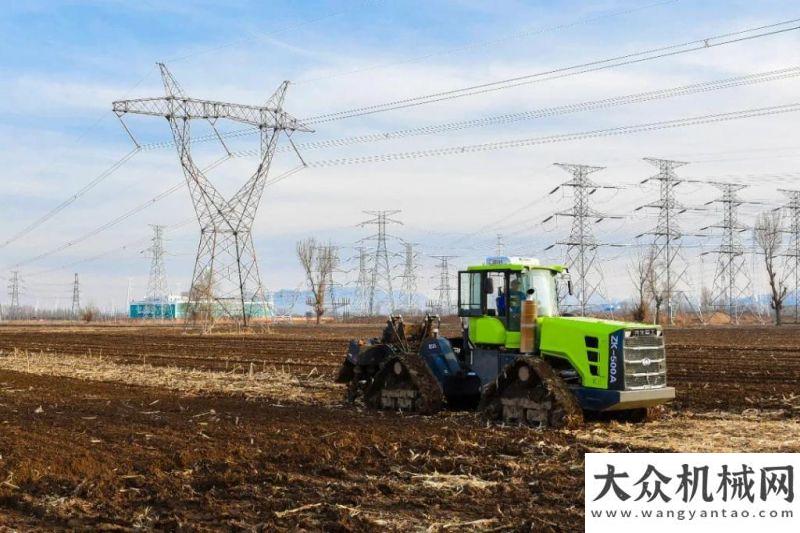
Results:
[63, 63]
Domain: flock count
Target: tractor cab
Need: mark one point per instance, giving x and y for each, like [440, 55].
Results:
[490, 296]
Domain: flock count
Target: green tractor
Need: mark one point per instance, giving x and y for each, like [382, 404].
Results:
[519, 358]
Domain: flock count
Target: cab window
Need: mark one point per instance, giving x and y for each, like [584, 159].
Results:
[470, 294]
[518, 286]
[496, 300]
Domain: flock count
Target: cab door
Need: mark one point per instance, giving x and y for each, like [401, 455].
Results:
[481, 298]
[470, 294]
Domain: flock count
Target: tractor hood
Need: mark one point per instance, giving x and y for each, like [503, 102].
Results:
[586, 343]
[596, 325]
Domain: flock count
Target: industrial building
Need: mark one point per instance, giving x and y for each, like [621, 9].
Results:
[176, 307]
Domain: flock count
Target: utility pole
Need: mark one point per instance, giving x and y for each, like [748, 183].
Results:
[731, 263]
[381, 272]
[444, 301]
[76, 297]
[581, 246]
[669, 266]
[792, 255]
[226, 270]
[157, 288]
[409, 277]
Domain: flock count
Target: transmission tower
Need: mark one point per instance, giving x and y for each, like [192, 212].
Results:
[76, 296]
[362, 283]
[792, 255]
[380, 272]
[670, 267]
[14, 290]
[336, 306]
[409, 277]
[731, 280]
[226, 271]
[581, 246]
[157, 288]
[444, 300]
[500, 245]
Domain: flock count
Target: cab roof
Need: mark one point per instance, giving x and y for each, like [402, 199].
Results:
[518, 267]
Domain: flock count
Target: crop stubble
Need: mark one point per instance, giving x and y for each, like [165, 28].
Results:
[92, 452]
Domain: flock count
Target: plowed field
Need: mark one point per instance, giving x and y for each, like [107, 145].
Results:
[121, 427]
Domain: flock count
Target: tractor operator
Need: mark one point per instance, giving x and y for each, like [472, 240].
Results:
[500, 302]
[514, 297]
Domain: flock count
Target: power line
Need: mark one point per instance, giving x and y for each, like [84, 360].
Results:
[94, 182]
[592, 66]
[139, 208]
[519, 143]
[69, 201]
[134, 244]
[490, 42]
[466, 149]
[506, 118]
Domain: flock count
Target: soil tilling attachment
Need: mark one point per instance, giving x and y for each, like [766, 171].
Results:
[413, 370]
[528, 391]
[405, 383]
[410, 369]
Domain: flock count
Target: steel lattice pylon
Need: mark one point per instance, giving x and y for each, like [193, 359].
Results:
[226, 271]
[76, 297]
[444, 299]
[409, 277]
[731, 280]
[14, 290]
[362, 283]
[157, 290]
[581, 247]
[670, 266]
[381, 271]
[792, 255]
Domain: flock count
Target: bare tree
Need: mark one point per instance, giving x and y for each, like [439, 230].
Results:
[202, 301]
[706, 299]
[657, 292]
[318, 262]
[769, 239]
[640, 270]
